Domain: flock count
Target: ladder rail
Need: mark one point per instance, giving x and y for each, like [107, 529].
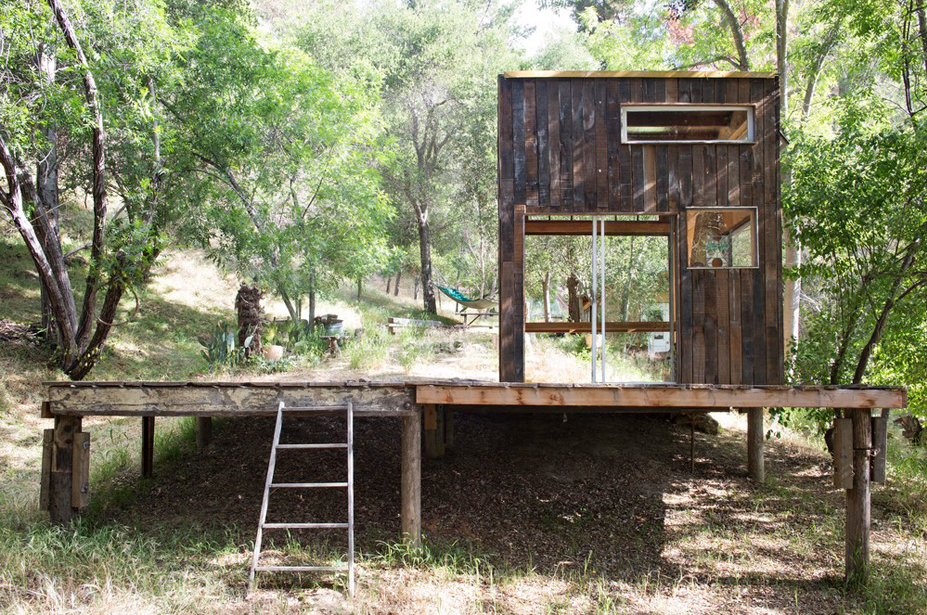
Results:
[272, 462]
[351, 498]
[269, 484]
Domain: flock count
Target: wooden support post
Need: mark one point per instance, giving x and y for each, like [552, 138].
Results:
[879, 446]
[434, 431]
[203, 431]
[858, 500]
[756, 435]
[80, 473]
[411, 488]
[843, 453]
[148, 428]
[448, 429]
[60, 497]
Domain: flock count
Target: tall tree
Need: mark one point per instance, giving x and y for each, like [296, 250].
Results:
[51, 92]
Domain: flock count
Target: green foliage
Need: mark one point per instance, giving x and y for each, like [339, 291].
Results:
[221, 349]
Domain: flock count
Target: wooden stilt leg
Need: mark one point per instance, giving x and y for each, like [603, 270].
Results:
[756, 435]
[148, 427]
[60, 480]
[448, 429]
[434, 431]
[858, 500]
[203, 431]
[411, 488]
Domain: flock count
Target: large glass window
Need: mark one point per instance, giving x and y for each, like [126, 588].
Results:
[687, 123]
[721, 238]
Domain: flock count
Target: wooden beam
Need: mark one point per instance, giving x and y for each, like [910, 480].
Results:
[657, 74]
[48, 452]
[657, 228]
[148, 430]
[411, 481]
[660, 396]
[586, 327]
[858, 500]
[222, 398]
[756, 436]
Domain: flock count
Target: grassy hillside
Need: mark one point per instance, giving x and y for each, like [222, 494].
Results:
[525, 515]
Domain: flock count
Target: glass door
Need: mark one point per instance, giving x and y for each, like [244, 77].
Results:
[599, 301]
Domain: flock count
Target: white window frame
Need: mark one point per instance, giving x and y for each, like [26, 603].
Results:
[677, 107]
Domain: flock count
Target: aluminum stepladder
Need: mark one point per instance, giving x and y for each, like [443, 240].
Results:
[269, 484]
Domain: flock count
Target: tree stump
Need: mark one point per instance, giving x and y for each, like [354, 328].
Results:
[250, 318]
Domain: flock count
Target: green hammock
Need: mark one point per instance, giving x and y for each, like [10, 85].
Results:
[457, 296]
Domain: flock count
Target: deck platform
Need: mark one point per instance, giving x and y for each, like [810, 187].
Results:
[65, 486]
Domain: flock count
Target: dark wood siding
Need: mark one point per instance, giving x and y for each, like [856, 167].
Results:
[560, 152]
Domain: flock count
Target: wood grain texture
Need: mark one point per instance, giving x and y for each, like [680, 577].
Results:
[658, 395]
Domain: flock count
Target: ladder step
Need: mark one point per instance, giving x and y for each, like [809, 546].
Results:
[301, 568]
[305, 526]
[305, 485]
[323, 445]
[313, 408]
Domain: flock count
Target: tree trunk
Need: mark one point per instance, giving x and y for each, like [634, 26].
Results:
[545, 285]
[396, 285]
[737, 34]
[424, 237]
[360, 288]
[311, 298]
[575, 302]
[388, 282]
[415, 282]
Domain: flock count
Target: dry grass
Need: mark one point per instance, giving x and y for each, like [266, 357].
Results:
[592, 515]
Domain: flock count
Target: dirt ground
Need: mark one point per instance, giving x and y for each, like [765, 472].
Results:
[603, 496]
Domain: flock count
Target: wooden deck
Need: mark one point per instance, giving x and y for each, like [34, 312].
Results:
[372, 398]
[65, 486]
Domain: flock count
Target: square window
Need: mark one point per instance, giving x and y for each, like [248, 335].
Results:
[687, 124]
[721, 238]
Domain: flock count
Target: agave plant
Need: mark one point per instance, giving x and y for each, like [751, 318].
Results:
[221, 347]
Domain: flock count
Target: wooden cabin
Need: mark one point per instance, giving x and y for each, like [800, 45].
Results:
[692, 156]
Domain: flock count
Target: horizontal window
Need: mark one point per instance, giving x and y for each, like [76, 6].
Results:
[687, 123]
[721, 238]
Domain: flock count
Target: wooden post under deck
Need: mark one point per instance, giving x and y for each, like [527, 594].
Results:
[756, 466]
[858, 500]
[148, 428]
[61, 507]
[203, 431]
[411, 482]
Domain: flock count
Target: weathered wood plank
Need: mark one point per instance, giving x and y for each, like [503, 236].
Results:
[543, 143]
[590, 113]
[579, 154]
[518, 141]
[736, 330]
[660, 396]
[601, 146]
[723, 326]
[613, 111]
[843, 453]
[566, 145]
[555, 146]
[531, 146]
[224, 399]
[80, 464]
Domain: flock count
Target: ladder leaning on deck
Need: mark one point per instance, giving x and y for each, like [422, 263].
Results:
[348, 409]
